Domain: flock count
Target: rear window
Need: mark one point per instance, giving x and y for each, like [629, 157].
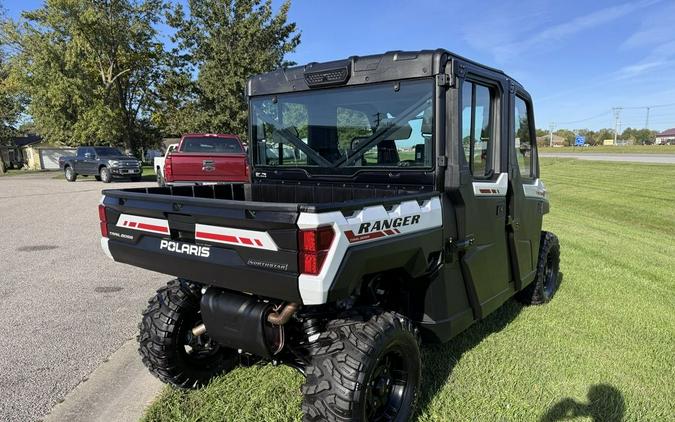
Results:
[211, 145]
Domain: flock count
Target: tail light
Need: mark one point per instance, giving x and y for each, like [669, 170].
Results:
[104, 220]
[314, 245]
[168, 169]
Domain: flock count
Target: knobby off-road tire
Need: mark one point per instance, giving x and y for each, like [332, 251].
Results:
[69, 174]
[364, 370]
[105, 175]
[166, 330]
[546, 283]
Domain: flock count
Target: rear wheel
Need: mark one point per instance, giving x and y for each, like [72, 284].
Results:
[546, 283]
[70, 174]
[168, 347]
[364, 370]
[105, 175]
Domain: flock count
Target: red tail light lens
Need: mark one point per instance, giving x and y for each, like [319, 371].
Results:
[103, 220]
[168, 171]
[314, 245]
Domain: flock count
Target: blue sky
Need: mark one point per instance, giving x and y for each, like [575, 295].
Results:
[578, 59]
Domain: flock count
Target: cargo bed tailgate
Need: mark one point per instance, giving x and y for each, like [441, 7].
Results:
[239, 245]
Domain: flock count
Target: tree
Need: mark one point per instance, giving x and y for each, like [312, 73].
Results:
[567, 134]
[223, 42]
[11, 101]
[89, 69]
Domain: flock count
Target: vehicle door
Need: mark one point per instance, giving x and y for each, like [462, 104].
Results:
[527, 196]
[79, 161]
[90, 162]
[484, 183]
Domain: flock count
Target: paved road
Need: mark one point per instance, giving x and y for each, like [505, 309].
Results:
[64, 306]
[635, 158]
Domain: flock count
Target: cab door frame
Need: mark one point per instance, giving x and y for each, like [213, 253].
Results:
[526, 198]
[480, 202]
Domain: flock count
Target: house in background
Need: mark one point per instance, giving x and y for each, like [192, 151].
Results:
[545, 141]
[667, 137]
[39, 155]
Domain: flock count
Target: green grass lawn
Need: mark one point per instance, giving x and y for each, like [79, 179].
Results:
[603, 348]
[609, 149]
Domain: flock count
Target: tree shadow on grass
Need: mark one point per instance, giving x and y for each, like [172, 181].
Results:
[440, 359]
[605, 404]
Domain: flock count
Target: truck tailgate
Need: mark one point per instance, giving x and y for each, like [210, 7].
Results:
[245, 246]
[191, 166]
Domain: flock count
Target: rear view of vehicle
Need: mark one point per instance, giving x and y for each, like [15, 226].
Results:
[394, 198]
[206, 159]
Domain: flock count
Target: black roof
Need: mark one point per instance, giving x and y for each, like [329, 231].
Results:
[22, 141]
[390, 66]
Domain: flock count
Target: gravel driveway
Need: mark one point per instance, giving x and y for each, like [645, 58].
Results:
[64, 305]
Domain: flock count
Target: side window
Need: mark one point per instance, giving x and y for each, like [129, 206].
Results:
[523, 140]
[477, 127]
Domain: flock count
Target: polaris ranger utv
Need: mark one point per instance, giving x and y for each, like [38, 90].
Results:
[394, 199]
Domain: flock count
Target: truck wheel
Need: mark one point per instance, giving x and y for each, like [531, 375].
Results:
[105, 175]
[364, 371]
[545, 284]
[70, 174]
[168, 347]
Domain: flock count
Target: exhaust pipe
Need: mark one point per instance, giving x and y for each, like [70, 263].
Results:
[281, 318]
[274, 318]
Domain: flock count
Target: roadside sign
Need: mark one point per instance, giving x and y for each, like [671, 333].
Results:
[580, 141]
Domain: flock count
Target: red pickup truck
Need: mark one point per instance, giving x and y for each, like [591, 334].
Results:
[206, 159]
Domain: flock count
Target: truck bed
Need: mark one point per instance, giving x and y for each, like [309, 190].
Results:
[245, 237]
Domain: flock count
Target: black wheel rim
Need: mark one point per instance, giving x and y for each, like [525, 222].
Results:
[387, 388]
[550, 275]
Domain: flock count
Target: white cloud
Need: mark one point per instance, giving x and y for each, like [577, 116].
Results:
[510, 35]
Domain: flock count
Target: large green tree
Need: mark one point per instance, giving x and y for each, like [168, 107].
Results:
[89, 69]
[219, 44]
[11, 101]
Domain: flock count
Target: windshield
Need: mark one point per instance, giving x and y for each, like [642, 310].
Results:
[107, 151]
[211, 144]
[382, 125]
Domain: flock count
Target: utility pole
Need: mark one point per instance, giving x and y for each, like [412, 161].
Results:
[551, 127]
[647, 118]
[617, 122]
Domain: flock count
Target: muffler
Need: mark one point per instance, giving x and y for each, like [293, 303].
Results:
[240, 321]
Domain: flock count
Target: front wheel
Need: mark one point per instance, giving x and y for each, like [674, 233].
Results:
[364, 370]
[547, 280]
[166, 343]
[70, 174]
[105, 175]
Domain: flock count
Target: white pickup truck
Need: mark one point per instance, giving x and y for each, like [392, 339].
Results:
[159, 164]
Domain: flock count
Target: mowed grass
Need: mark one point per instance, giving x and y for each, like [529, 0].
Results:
[610, 149]
[603, 349]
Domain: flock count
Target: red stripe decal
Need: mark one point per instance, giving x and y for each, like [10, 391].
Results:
[218, 237]
[258, 242]
[485, 191]
[131, 223]
[246, 241]
[153, 228]
[397, 231]
[389, 232]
